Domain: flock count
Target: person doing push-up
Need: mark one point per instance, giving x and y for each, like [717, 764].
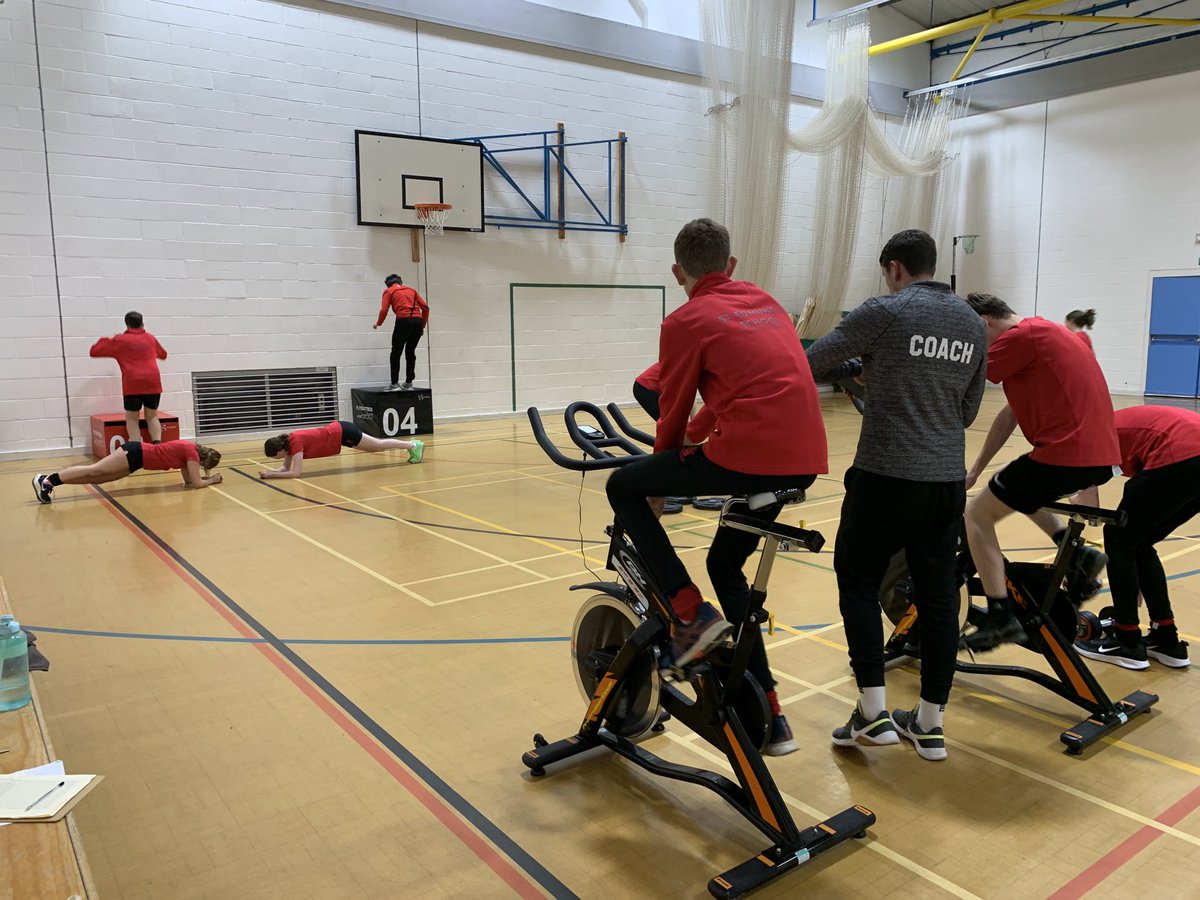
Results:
[313, 443]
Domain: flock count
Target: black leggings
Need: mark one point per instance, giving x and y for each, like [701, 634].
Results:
[1157, 502]
[406, 334]
[647, 399]
[688, 472]
[880, 516]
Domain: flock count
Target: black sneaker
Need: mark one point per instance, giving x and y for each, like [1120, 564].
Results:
[1110, 649]
[690, 642]
[781, 742]
[42, 488]
[875, 732]
[929, 744]
[1167, 648]
[999, 626]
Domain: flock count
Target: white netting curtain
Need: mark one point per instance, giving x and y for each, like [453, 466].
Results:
[749, 69]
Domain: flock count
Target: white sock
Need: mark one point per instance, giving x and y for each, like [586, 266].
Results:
[929, 715]
[872, 701]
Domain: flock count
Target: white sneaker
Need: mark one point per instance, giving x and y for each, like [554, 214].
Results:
[394, 386]
[407, 386]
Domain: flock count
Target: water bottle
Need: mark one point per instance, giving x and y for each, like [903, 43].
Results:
[14, 665]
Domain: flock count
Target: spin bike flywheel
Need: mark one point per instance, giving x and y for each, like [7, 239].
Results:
[601, 627]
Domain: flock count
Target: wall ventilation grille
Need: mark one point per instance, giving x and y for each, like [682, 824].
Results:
[264, 399]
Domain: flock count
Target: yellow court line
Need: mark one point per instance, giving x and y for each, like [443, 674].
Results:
[1057, 785]
[872, 843]
[429, 531]
[1063, 722]
[399, 491]
[511, 587]
[317, 504]
[517, 472]
[493, 525]
[346, 559]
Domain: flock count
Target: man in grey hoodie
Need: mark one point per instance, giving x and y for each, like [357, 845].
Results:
[924, 358]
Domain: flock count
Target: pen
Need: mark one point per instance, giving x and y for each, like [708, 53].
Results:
[44, 796]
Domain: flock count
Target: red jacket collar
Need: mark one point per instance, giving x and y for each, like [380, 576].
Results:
[709, 282]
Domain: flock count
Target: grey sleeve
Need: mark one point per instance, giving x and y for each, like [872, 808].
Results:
[855, 335]
[974, 395]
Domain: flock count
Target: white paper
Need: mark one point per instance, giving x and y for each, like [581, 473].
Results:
[50, 768]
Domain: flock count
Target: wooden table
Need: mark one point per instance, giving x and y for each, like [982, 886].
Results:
[39, 860]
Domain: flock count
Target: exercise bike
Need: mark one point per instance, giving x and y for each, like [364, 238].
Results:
[1049, 617]
[620, 649]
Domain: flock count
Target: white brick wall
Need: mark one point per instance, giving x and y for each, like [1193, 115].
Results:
[202, 171]
[1121, 200]
[33, 411]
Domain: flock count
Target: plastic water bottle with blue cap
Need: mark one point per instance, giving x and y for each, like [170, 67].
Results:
[14, 665]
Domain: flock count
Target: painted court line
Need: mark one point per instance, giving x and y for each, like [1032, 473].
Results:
[1125, 851]
[869, 843]
[334, 553]
[513, 865]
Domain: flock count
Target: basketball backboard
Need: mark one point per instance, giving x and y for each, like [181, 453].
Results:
[396, 171]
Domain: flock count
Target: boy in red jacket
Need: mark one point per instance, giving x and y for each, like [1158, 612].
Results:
[412, 315]
[137, 352]
[735, 345]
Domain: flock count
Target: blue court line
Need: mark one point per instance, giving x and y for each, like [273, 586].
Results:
[350, 642]
[521, 858]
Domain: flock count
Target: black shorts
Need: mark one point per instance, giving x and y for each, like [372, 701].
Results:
[352, 435]
[1027, 485]
[133, 453]
[134, 402]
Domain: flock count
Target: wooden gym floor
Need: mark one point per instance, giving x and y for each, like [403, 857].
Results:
[322, 688]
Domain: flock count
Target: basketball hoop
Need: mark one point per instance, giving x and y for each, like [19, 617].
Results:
[433, 215]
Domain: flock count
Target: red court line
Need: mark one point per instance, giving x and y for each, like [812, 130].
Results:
[499, 864]
[1125, 851]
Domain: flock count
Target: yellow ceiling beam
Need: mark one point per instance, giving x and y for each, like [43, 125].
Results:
[977, 21]
[975, 43]
[1116, 20]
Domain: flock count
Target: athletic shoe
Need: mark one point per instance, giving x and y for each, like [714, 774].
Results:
[394, 386]
[407, 386]
[999, 626]
[1110, 649]
[1167, 649]
[416, 451]
[875, 732]
[691, 641]
[42, 488]
[929, 744]
[1089, 562]
[781, 742]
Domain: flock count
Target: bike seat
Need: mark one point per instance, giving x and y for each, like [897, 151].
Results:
[769, 498]
[1093, 515]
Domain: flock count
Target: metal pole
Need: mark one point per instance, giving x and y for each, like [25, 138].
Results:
[621, 184]
[562, 187]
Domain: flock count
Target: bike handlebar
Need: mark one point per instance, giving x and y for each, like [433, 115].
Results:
[593, 447]
[623, 423]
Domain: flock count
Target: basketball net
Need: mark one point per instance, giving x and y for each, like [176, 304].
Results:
[434, 216]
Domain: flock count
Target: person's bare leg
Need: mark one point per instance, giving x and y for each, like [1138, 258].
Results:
[133, 426]
[1048, 522]
[113, 467]
[153, 425]
[370, 444]
[984, 511]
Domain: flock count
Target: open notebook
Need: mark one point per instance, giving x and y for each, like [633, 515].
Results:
[41, 797]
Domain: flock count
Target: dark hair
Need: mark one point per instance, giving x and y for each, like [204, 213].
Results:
[1084, 318]
[702, 246]
[133, 320]
[393, 279]
[913, 249]
[274, 445]
[209, 458]
[989, 305]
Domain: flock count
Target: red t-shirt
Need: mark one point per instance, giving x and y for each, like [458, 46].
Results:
[137, 353]
[1156, 436]
[735, 345]
[317, 442]
[1058, 393]
[168, 455]
[1086, 338]
[405, 303]
[649, 378]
